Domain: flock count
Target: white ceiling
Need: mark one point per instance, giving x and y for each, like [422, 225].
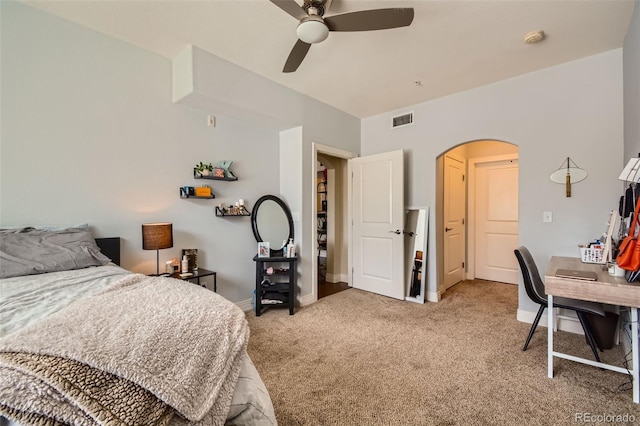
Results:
[451, 46]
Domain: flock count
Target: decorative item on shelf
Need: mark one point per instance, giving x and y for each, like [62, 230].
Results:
[202, 169]
[236, 209]
[291, 248]
[192, 259]
[568, 174]
[263, 249]
[224, 165]
[157, 236]
[203, 191]
[175, 262]
[187, 191]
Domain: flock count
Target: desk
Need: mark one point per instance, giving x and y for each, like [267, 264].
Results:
[607, 289]
[197, 274]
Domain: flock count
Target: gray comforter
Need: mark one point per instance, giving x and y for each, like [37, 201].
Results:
[158, 349]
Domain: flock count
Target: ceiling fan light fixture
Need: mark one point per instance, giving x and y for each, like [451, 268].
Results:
[312, 30]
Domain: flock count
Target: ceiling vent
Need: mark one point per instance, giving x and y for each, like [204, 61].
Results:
[402, 120]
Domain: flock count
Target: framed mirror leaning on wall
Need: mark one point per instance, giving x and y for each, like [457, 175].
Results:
[416, 232]
[272, 222]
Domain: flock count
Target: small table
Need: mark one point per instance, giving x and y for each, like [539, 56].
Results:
[282, 287]
[197, 274]
[606, 289]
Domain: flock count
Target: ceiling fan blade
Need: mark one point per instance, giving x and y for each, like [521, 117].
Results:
[291, 7]
[366, 20]
[296, 56]
[327, 5]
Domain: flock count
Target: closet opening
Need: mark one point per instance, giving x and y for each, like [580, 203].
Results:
[331, 214]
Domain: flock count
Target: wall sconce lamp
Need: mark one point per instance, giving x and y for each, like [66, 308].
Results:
[157, 236]
[568, 173]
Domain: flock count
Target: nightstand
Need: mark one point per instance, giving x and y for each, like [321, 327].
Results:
[197, 274]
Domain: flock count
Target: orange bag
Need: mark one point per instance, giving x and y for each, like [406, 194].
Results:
[629, 250]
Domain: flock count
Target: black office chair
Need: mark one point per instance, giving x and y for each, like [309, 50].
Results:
[536, 292]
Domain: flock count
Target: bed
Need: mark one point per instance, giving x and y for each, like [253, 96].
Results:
[86, 342]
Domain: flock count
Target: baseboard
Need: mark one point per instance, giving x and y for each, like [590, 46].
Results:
[336, 278]
[564, 322]
[246, 305]
[306, 300]
[434, 296]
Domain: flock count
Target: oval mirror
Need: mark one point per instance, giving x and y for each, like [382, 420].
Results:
[272, 222]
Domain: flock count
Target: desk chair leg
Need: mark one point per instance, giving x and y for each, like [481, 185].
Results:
[533, 327]
[588, 334]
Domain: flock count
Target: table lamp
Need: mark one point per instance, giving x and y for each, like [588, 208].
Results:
[157, 236]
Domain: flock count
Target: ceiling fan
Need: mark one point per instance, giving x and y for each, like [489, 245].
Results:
[314, 28]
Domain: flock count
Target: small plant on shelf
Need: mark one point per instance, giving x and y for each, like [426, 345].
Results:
[203, 169]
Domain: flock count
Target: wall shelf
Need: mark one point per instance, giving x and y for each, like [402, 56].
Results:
[216, 178]
[195, 196]
[185, 194]
[222, 213]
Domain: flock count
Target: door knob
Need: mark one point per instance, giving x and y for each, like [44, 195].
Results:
[448, 229]
[397, 232]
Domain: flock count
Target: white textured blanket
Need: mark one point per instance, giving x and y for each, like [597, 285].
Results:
[178, 341]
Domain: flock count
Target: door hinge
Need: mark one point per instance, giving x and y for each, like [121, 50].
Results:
[463, 178]
[463, 264]
[463, 220]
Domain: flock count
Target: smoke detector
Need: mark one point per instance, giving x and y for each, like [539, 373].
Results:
[534, 37]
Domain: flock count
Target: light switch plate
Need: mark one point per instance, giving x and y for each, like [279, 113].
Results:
[547, 217]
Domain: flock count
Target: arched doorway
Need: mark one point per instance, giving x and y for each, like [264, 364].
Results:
[476, 213]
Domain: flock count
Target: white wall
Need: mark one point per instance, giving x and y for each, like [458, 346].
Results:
[574, 109]
[90, 134]
[631, 63]
[246, 94]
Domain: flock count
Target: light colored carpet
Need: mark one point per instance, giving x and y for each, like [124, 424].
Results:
[355, 358]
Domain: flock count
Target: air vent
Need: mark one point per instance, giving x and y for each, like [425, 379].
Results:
[402, 120]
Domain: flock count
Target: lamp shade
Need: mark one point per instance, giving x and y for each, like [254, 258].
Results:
[312, 30]
[156, 236]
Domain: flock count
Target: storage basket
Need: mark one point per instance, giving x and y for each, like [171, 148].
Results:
[591, 255]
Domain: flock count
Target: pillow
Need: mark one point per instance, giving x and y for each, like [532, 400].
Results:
[12, 229]
[30, 251]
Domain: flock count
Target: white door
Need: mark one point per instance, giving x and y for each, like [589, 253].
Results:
[378, 218]
[454, 220]
[496, 215]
